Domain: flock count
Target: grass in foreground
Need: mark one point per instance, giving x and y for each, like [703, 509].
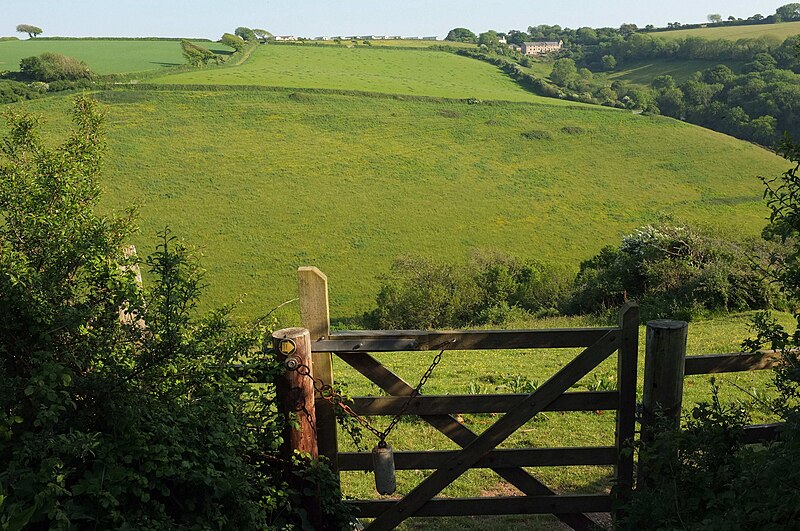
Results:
[500, 371]
[104, 56]
[266, 181]
[362, 68]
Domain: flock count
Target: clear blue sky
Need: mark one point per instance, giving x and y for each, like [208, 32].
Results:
[310, 18]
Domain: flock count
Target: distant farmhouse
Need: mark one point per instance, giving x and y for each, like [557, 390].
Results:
[541, 47]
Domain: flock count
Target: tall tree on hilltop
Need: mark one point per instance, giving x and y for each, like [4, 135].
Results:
[32, 31]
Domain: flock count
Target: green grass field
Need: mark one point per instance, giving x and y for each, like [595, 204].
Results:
[265, 181]
[103, 56]
[778, 32]
[400, 43]
[643, 72]
[413, 72]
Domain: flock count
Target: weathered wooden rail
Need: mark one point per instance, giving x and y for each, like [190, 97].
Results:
[478, 450]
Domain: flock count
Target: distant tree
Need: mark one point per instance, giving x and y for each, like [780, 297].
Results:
[718, 74]
[586, 36]
[627, 29]
[262, 34]
[461, 35]
[197, 55]
[788, 12]
[715, 18]
[490, 40]
[609, 62]
[662, 82]
[245, 33]
[234, 41]
[564, 72]
[757, 16]
[32, 31]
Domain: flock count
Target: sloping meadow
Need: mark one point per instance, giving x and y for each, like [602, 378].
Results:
[263, 181]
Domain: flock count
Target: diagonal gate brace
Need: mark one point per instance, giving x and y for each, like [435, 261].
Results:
[463, 436]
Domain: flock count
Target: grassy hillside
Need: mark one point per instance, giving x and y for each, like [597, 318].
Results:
[414, 72]
[400, 43]
[265, 181]
[643, 72]
[103, 56]
[776, 31]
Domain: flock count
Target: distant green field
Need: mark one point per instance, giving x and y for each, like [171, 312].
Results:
[103, 56]
[776, 31]
[265, 181]
[643, 72]
[413, 72]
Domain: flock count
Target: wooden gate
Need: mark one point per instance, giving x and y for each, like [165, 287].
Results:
[480, 451]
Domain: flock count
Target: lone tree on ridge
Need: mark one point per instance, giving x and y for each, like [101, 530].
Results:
[32, 31]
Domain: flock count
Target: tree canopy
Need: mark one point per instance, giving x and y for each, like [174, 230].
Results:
[50, 66]
[788, 12]
[32, 31]
[234, 41]
[461, 35]
[198, 55]
[245, 33]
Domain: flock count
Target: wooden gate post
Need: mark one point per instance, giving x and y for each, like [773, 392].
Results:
[295, 394]
[315, 316]
[295, 391]
[664, 360]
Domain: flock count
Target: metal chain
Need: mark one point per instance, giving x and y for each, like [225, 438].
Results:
[329, 394]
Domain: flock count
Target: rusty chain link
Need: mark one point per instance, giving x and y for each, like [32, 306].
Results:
[329, 394]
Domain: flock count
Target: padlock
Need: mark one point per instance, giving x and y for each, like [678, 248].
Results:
[383, 464]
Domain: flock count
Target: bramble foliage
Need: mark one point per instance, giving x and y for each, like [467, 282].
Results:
[137, 423]
[54, 67]
[673, 271]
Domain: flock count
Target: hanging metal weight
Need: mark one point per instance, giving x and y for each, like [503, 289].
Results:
[383, 465]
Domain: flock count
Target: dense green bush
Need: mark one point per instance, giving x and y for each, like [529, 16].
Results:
[675, 272]
[107, 422]
[423, 294]
[54, 67]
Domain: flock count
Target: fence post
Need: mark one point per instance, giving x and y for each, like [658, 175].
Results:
[315, 316]
[295, 395]
[627, 363]
[664, 361]
[295, 391]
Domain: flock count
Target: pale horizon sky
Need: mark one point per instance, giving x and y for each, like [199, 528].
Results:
[311, 18]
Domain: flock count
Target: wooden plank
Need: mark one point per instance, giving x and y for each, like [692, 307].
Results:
[457, 432]
[410, 340]
[588, 503]
[735, 362]
[539, 457]
[627, 362]
[760, 433]
[445, 404]
[315, 316]
[499, 431]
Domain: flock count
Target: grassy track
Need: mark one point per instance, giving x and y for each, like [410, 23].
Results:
[103, 56]
[265, 181]
[776, 31]
[414, 72]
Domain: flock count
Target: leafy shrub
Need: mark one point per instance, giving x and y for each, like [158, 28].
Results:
[537, 134]
[491, 289]
[573, 130]
[54, 67]
[673, 271]
[139, 422]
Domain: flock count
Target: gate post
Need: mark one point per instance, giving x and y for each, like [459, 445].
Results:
[627, 364]
[295, 391]
[315, 316]
[664, 360]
